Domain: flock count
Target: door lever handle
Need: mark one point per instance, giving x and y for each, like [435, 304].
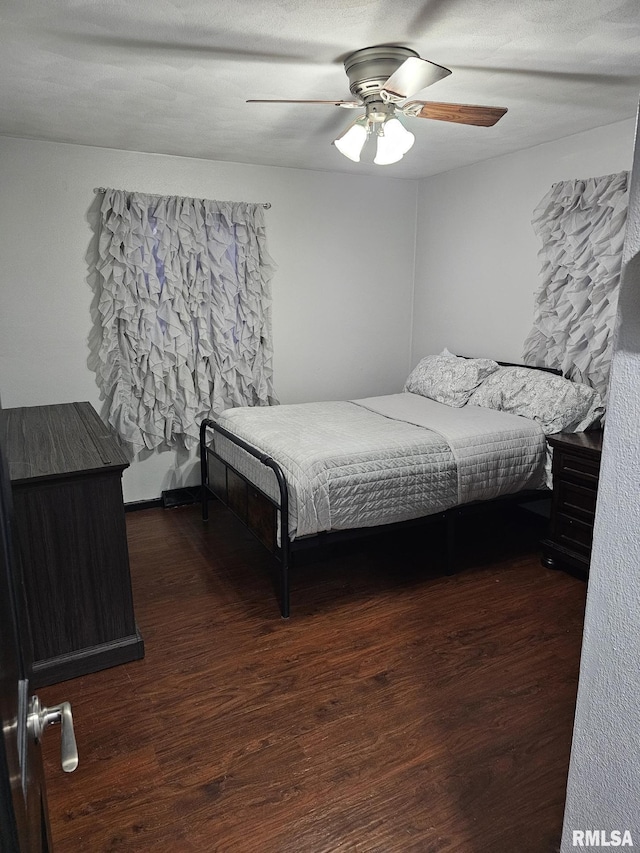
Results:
[40, 718]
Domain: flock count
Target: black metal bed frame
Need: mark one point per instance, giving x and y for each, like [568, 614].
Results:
[259, 511]
[265, 516]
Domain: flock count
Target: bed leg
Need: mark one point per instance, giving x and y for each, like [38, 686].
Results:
[284, 589]
[204, 473]
[285, 541]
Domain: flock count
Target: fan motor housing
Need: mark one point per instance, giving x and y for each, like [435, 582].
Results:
[370, 68]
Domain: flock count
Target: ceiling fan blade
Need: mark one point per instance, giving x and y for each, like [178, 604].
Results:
[413, 75]
[459, 113]
[349, 105]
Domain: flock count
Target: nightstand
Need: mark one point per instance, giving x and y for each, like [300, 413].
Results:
[576, 469]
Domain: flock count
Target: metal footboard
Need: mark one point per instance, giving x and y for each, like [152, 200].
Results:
[281, 551]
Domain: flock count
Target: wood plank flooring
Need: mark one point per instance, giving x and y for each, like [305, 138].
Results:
[398, 711]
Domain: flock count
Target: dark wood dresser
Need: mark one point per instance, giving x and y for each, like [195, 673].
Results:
[66, 469]
[576, 470]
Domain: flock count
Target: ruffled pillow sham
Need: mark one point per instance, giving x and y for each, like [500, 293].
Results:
[556, 403]
[448, 378]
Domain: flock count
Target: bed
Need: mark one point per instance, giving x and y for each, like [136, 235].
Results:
[460, 433]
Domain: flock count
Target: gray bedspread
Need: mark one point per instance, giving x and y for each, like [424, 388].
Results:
[379, 460]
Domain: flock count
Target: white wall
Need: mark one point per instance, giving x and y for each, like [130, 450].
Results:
[476, 262]
[342, 296]
[603, 791]
[345, 247]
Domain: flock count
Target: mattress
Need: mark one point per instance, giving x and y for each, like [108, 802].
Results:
[373, 461]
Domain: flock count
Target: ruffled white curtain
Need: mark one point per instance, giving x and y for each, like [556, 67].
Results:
[185, 307]
[581, 224]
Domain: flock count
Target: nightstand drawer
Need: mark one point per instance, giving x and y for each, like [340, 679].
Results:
[577, 467]
[577, 500]
[573, 533]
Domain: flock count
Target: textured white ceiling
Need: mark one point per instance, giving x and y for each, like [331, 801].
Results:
[172, 76]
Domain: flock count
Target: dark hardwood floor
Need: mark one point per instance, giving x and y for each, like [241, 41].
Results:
[398, 711]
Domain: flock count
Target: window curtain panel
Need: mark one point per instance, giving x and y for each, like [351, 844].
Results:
[581, 224]
[185, 308]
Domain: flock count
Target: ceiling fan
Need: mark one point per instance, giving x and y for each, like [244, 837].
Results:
[382, 78]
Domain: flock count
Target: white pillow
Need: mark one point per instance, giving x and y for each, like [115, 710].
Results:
[448, 378]
[556, 403]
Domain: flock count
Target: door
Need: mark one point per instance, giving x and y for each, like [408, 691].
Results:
[24, 823]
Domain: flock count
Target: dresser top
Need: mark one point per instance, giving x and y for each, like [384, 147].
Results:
[41, 442]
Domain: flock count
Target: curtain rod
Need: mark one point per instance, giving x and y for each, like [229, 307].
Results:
[266, 204]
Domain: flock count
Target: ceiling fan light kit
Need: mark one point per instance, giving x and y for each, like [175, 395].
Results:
[381, 78]
[393, 139]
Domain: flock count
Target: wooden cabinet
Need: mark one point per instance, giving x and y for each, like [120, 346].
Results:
[576, 470]
[66, 468]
